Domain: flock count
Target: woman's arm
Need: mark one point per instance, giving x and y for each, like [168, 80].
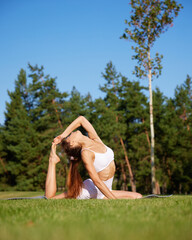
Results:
[80, 121]
[88, 162]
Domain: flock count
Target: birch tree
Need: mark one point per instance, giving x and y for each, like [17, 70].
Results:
[148, 20]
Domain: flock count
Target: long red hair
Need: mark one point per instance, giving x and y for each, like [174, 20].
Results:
[74, 180]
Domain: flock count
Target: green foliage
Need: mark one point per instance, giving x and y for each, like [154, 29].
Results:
[122, 114]
[173, 138]
[37, 112]
[148, 20]
[31, 122]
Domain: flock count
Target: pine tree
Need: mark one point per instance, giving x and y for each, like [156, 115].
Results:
[33, 119]
[45, 110]
[183, 150]
[174, 140]
[159, 103]
[19, 138]
[3, 163]
[148, 20]
[133, 104]
[123, 104]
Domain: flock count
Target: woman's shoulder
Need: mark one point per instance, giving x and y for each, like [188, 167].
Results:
[87, 156]
[86, 152]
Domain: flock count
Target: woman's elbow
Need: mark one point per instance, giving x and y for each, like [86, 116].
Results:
[97, 183]
[81, 118]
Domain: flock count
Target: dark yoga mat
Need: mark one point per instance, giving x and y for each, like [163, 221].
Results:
[43, 197]
[156, 196]
[21, 198]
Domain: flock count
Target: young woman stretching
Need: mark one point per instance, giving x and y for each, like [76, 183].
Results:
[97, 158]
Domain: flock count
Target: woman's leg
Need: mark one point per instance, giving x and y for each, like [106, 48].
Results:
[125, 194]
[88, 190]
[50, 185]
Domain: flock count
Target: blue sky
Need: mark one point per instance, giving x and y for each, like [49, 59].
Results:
[74, 40]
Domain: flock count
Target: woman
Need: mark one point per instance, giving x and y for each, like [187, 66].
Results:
[97, 158]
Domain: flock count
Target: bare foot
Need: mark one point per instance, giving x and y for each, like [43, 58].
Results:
[53, 156]
[57, 139]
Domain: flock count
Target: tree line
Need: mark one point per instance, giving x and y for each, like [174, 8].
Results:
[38, 111]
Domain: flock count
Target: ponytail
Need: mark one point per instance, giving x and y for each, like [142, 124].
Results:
[74, 180]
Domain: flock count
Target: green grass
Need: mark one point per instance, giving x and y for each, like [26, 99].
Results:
[146, 219]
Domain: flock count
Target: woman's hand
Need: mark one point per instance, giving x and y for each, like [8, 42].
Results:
[57, 140]
[80, 121]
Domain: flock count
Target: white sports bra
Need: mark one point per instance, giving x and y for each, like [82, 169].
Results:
[102, 160]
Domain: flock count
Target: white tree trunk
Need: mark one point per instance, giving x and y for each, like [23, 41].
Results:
[152, 130]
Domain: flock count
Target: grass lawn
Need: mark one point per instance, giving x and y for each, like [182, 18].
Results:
[146, 219]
